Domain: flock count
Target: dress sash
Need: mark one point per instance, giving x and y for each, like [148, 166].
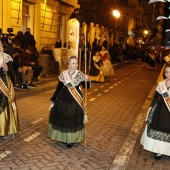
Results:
[9, 93]
[72, 89]
[165, 94]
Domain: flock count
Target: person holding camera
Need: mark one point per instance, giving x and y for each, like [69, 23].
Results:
[6, 41]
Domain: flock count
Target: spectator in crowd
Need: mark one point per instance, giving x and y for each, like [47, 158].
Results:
[53, 64]
[105, 43]
[18, 37]
[28, 60]
[16, 79]
[58, 44]
[23, 74]
[27, 39]
[6, 42]
[36, 67]
[95, 47]
[151, 60]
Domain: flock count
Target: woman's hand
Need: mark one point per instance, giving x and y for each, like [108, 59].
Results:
[5, 67]
[51, 105]
[86, 77]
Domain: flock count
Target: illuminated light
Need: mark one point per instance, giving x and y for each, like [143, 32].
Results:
[168, 30]
[152, 1]
[145, 32]
[116, 13]
[161, 17]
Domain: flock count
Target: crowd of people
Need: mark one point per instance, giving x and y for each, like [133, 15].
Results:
[26, 68]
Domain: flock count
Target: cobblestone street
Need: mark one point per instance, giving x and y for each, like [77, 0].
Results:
[116, 111]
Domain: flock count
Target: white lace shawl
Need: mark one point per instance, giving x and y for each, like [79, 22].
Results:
[158, 88]
[4, 58]
[76, 80]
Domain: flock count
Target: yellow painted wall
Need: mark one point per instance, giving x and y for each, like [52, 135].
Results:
[44, 15]
[49, 23]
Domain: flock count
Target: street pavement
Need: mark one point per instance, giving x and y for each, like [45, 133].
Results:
[116, 111]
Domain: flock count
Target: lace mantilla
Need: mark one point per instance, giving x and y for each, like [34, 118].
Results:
[76, 80]
[155, 134]
[4, 58]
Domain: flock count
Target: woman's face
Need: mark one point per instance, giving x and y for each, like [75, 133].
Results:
[97, 53]
[103, 48]
[167, 73]
[73, 64]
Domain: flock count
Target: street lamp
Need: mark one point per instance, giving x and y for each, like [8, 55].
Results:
[145, 32]
[116, 14]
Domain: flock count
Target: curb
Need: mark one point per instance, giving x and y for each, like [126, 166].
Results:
[49, 83]
[41, 87]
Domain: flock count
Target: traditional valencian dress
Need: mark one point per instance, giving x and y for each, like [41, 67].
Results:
[9, 123]
[108, 68]
[167, 60]
[156, 136]
[66, 120]
[96, 72]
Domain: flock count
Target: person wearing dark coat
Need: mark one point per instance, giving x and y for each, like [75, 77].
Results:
[27, 39]
[58, 44]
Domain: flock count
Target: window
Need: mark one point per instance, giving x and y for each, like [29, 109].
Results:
[25, 17]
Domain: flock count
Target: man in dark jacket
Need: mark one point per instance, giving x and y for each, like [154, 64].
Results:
[27, 39]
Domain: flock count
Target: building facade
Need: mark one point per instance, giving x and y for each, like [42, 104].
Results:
[47, 19]
[135, 17]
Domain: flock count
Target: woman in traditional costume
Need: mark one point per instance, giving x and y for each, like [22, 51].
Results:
[156, 136]
[67, 116]
[96, 71]
[167, 60]
[108, 68]
[9, 124]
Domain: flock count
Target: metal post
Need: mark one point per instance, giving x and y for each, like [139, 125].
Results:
[79, 58]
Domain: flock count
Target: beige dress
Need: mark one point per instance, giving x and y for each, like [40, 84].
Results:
[107, 65]
[9, 123]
